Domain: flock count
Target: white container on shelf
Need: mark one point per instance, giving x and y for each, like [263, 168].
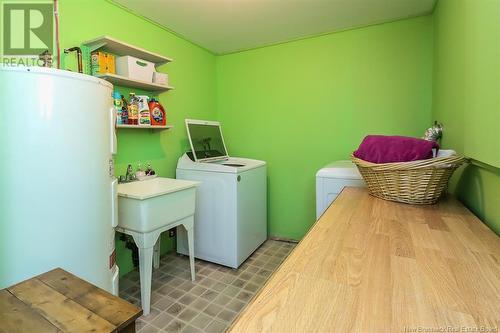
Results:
[135, 68]
[160, 78]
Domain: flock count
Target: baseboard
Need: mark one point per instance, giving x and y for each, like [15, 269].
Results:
[283, 239]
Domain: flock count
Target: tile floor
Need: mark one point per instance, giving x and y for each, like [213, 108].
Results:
[210, 303]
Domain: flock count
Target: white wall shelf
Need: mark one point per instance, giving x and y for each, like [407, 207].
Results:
[128, 82]
[115, 46]
[166, 127]
[119, 48]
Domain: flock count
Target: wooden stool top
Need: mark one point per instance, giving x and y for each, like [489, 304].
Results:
[58, 301]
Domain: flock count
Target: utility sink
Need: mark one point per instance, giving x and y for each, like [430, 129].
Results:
[144, 206]
[145, 210]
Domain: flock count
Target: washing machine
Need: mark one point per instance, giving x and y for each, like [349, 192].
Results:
[331, 179]
[231, 202]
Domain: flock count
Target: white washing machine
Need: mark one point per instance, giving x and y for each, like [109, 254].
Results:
[231, 201]
[330, 181]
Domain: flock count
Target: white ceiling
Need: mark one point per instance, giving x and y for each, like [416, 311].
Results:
[225, 26]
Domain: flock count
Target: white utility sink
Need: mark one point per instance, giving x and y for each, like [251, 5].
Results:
[148, 208]
[147, 205]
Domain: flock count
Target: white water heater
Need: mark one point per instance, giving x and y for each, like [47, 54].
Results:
[57, 186]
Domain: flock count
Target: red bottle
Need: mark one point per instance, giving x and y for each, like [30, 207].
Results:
[158, 114]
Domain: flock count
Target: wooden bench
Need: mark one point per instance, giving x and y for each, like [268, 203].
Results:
[370, 265]
[58, 301]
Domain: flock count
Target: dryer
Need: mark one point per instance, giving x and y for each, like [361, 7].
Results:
[331, 179]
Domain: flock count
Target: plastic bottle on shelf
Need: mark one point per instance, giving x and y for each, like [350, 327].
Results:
[144, 114]
[133, 110]
[158, 114]
[124, 110]
[118, 104]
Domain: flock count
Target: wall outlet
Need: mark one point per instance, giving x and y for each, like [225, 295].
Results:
[171, 233]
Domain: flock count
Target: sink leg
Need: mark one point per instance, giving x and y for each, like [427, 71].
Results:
[190, 236]
[146, 270]
[156, 256]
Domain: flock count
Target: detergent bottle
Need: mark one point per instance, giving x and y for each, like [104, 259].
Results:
[158, 114]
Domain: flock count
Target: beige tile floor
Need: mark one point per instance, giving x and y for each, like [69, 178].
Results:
[210, 303]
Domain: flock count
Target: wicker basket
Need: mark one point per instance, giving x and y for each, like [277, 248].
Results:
[418, 182]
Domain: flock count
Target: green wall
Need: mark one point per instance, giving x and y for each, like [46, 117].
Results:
[303, 104]
[466, 97]
[192, 73]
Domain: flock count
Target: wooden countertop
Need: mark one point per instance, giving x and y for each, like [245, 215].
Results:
[370, 265]
[58, 301]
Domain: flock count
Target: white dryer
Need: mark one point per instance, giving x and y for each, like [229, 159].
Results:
[231, 201]
[331, 179]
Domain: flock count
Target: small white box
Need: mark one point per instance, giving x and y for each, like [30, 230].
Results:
[135, 68]
[160, 78]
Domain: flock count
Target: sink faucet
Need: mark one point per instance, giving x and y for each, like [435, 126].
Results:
[129, 176]
[130, 173]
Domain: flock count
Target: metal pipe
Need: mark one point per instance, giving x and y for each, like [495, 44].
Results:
[79, 56]
[58, 44]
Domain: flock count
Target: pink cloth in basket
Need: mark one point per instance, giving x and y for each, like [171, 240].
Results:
[388, 149]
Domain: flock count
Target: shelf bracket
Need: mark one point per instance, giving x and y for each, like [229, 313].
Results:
[96, 46]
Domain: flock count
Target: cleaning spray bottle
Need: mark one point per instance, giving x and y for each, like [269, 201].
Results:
[144, 114]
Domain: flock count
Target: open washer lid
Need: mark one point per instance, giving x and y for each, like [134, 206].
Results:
[206, 140]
